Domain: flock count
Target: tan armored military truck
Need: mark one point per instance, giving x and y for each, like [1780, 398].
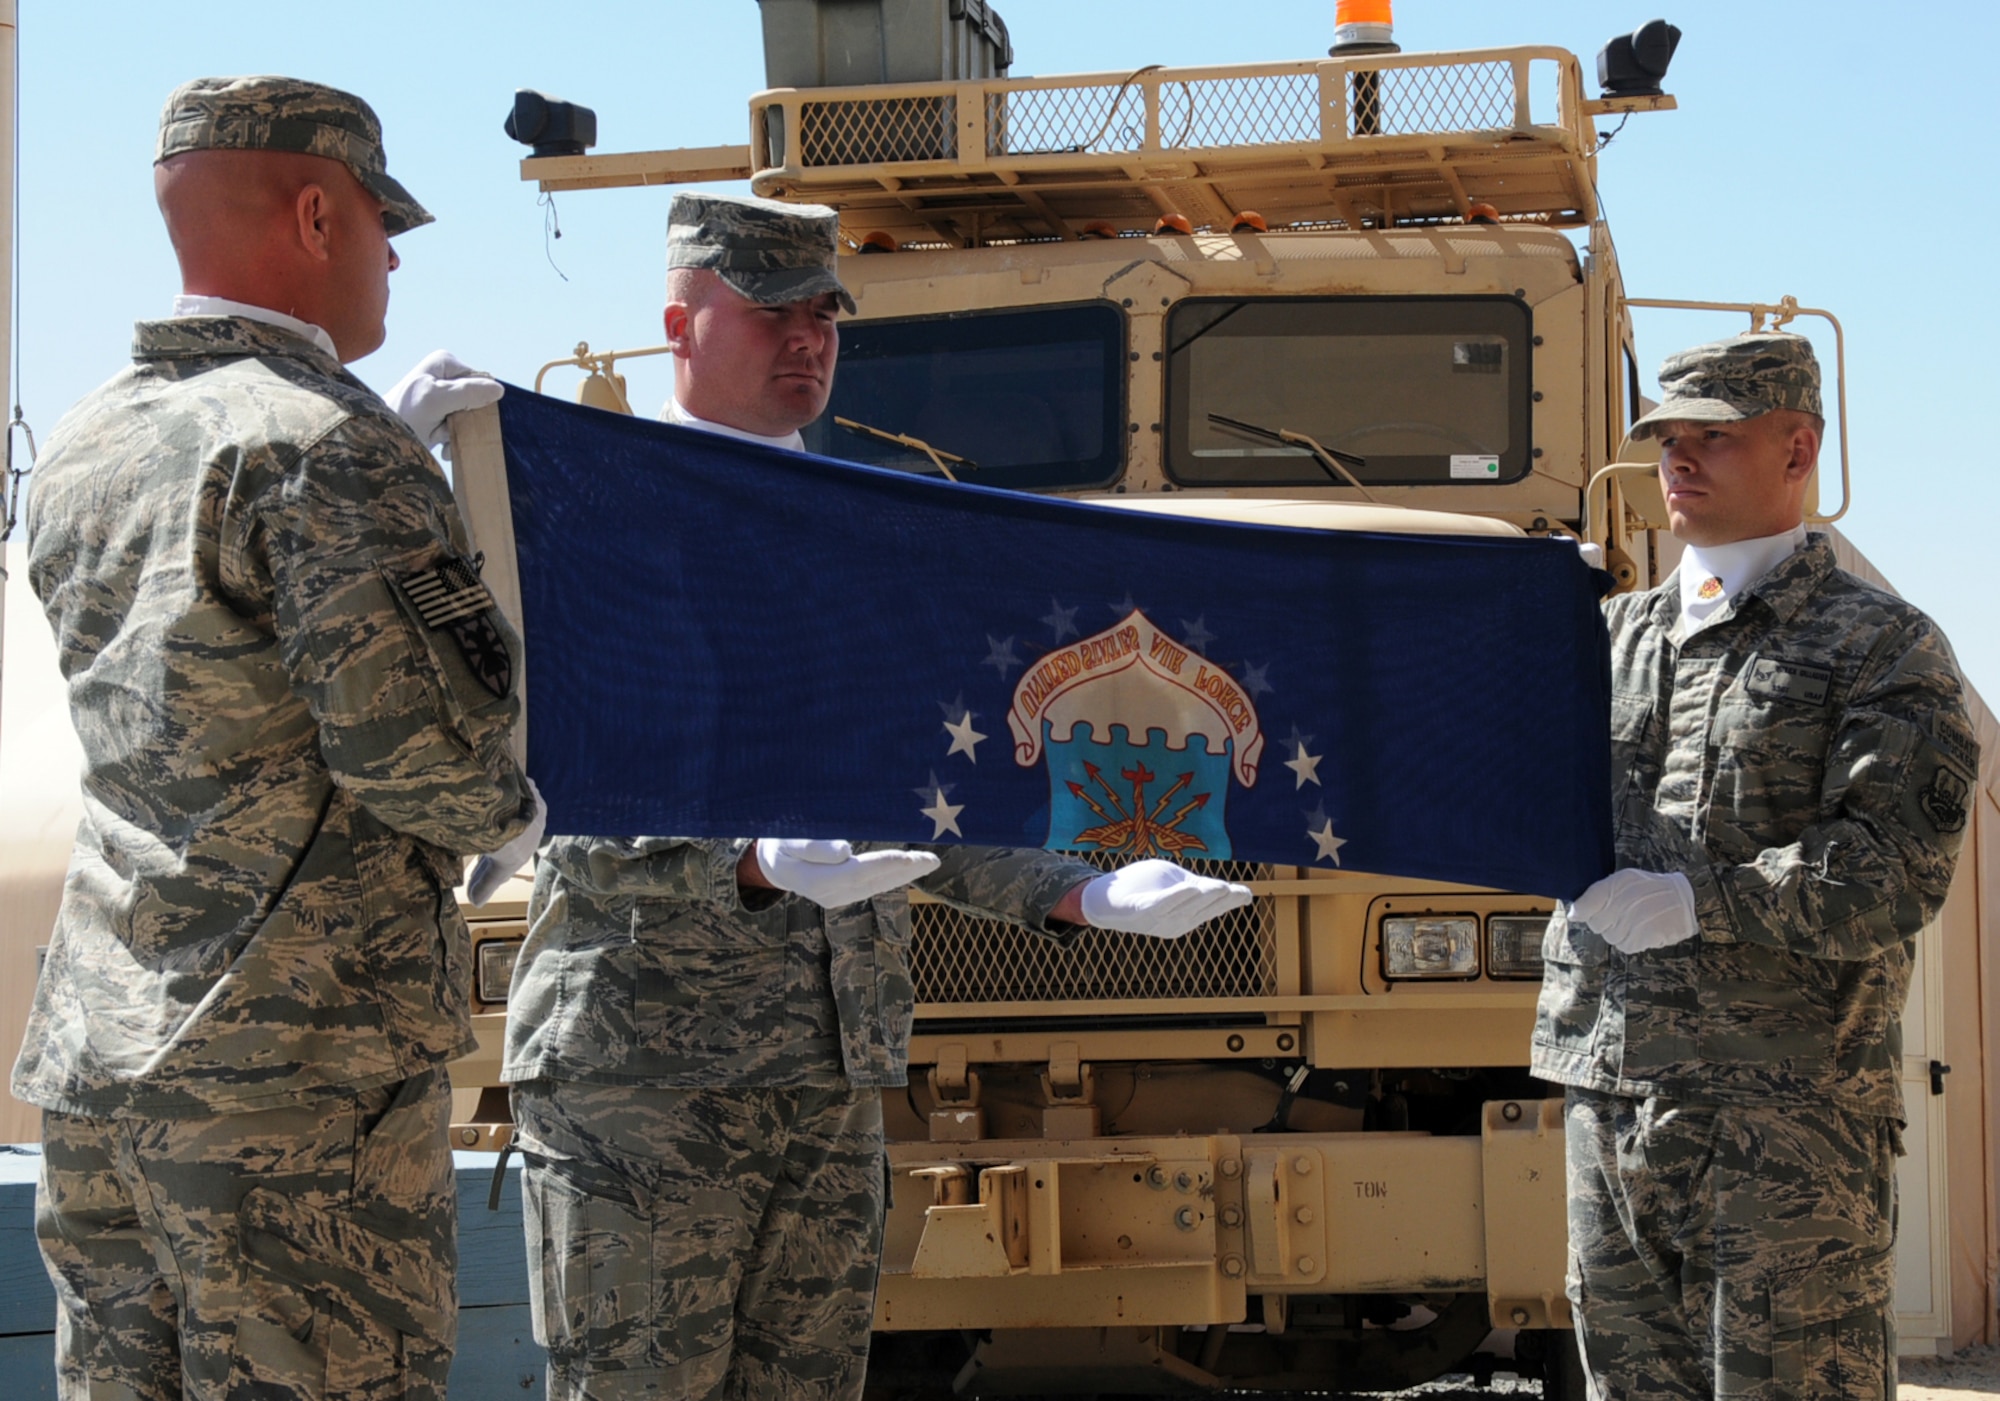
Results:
[1298, 1150]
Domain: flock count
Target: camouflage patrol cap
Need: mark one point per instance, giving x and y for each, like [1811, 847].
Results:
[287, 114]
[1730, 380]
[770, 252]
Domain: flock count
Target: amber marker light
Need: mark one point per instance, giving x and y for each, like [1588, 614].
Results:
[878, 242]
[1364, 27]
[1173, 223]
[1248, 219]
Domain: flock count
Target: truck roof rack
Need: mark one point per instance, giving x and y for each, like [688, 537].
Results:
[1365, 142]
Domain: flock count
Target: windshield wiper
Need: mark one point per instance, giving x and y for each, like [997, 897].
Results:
[937, 455]
[1333, 460]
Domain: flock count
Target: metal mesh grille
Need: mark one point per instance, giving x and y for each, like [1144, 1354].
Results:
[1041, 121]
[1198, 114]
[1240, 111]
[957, 958]
[888, 129]
[1458, 97]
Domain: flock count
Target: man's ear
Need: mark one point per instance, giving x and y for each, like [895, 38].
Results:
[313, 210]
[675, 321]
[1804, 453]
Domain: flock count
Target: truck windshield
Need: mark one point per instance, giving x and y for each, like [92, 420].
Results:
[1034, 397]
[1427, 390]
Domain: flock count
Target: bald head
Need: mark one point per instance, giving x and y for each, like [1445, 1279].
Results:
[291, 232]
[691, 287]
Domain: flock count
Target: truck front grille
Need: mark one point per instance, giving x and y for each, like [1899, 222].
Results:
[959, 959]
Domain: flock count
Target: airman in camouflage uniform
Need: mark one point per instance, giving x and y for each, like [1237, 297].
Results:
[1791, 761]
[697, 1071]
[293, 697]
[699, 1032]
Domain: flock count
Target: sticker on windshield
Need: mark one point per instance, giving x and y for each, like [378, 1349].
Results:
[1478, 357]
[1475, 466]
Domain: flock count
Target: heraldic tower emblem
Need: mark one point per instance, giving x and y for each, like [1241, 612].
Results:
[1141, 736]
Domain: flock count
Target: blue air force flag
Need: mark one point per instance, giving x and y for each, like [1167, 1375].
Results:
[726, 640]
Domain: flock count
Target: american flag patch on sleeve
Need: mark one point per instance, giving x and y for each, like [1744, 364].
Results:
[447, 593]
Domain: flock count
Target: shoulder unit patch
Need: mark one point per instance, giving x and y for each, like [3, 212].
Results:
[1944, 799]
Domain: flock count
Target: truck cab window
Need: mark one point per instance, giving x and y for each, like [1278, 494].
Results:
[1033, 397]
[1427, 391]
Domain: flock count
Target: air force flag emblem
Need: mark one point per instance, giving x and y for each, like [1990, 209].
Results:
[1141, 737]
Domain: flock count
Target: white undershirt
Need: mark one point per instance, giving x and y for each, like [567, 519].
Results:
[674, 413]
[185, 305]
[1734, 567]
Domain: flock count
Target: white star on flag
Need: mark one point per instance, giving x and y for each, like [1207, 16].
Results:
[1000, 655]
[964, 739]
[1256, 679]
[1329, 845]
[1061, 621]
[1305, 765]
[944, 816]
[1196, 634]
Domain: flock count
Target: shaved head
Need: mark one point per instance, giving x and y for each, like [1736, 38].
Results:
[690, 287]
[215, 197]
[1785, 422]
[282, 230]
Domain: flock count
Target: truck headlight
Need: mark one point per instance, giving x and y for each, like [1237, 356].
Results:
[1514, 945]
[1430, 946]
[495, 962]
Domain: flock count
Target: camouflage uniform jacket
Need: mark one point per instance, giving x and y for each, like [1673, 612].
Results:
[233, 540]
[645, 965]
[1807, 762]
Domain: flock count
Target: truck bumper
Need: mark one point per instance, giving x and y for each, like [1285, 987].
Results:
[1181, 1230]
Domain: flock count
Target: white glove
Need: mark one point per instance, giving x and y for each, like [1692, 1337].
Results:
[440, 385]
[829, 873]
[1158, 898]
[489, 873]
[1634, 910]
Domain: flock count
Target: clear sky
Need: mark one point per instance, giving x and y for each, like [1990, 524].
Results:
[1836, 151]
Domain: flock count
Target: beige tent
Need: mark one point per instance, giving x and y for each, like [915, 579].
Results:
[1969, 998]
[39, 761]
[1972, 1049]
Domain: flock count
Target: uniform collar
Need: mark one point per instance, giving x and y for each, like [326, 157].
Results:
[1797, 578]
[205, 337]
[674, 413]
[1784, 590]
[185, 305]
[1712, 576]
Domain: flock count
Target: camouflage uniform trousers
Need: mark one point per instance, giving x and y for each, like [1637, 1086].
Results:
[1732, 1251]
[298, 1254]
[702, 1243]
